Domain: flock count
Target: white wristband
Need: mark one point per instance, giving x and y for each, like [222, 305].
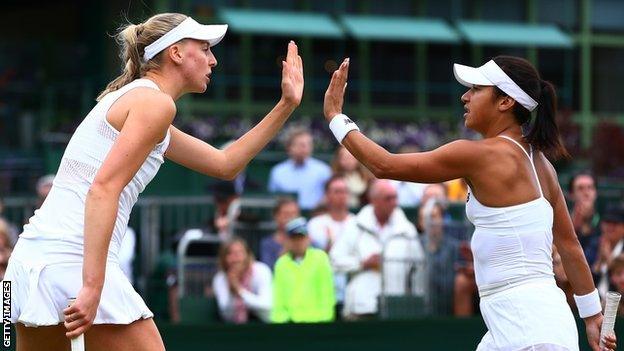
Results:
[588, 305]
[341, 125]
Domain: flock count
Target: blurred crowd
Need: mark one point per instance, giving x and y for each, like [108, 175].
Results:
[347, 246]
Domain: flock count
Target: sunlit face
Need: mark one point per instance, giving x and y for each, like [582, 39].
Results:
[584, 189]
[236, 255]
[286, 212]
[337, 194]
[346, 161]
[479, 103]
[301, 147]
[197, 64]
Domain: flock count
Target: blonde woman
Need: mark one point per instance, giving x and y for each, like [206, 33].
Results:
[243, 285]
[70, 246]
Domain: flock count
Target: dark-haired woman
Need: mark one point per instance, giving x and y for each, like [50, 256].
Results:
[515, 202]
[70, 246]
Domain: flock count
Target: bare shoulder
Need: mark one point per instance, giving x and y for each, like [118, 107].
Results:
[547, 176]
[151, 100]
[143, 104]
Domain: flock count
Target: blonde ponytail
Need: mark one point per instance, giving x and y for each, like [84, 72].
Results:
[132, 40]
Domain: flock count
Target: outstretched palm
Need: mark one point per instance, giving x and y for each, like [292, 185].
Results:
[292, 76]
[334, 96]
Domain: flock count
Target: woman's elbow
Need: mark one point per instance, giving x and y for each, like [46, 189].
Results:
[229, 174]
[100, 189]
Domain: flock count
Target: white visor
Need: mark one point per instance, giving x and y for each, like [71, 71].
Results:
[491, 74]
[189, 28]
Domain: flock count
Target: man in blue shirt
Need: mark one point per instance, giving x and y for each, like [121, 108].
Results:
[300, 173]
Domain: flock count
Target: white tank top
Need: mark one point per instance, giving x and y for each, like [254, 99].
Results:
[61, 217]
[511, 244]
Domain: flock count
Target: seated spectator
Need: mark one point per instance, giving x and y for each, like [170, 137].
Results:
[227, 209]
[271, 247]
[300, 173]
[616, 276]
[611, 245]
[435, 191]
[442, 255]
[242, 286]
[355, 174]
[303, 289]
[325, 229]
[5, 246]
[585, 218]
[381, 227]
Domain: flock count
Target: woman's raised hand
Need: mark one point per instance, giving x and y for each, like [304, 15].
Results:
[292, 76]
[334, 96]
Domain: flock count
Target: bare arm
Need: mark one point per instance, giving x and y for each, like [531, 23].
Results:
[145, 126]
[572, 257]
[454, 160]
[226, 164]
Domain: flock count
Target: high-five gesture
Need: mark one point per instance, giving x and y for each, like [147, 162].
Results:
[292, 76]
[334, 96]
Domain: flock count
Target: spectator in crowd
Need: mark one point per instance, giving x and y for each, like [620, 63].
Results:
[616, 276]
[242, 286]
[585, 218]
[44, 185]
[5, 246]
[301, 173]
[227, 208]
[434, 191]
[355, 174]
[442, 254]
[326, 228]
[303, 289]
[611, 245]
[381, 227]
[271, 247]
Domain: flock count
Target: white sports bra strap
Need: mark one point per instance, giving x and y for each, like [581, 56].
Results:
[530, 156]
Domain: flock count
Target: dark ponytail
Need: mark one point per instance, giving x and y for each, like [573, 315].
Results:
[543, 133]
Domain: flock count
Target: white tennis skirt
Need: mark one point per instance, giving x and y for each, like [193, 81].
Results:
[44, 274]
[533, 316]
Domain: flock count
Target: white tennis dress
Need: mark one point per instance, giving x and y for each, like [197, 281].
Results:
[45, 268]
[522, 306]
